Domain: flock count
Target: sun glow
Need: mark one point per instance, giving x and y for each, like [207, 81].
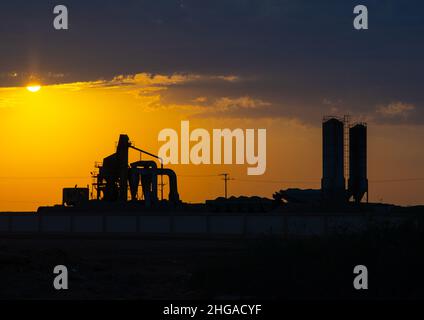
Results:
[33, 88]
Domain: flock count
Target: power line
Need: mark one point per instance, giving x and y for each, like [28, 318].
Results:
[41, 178]
[316, 181]
[197, 176]
[214, 175]
[303, 181]
[12, 201]
[226, 179]
[397, 180]
[278, 181]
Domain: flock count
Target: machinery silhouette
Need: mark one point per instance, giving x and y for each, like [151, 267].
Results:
[116, 174]
[124, 199]
[344, 146]
[119, 182]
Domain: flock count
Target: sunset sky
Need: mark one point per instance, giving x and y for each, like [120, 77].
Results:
[137, 67]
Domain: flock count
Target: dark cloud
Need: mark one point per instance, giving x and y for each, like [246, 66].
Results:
[297, 55]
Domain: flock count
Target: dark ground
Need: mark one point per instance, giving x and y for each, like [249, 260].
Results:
[215, 269]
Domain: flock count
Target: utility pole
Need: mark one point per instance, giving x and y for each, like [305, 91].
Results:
[226, 179]
[161, 184]
[346, 126]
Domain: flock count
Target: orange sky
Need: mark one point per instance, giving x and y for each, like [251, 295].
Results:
[50, 139]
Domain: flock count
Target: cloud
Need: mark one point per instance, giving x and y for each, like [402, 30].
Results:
[396, 110]
[222, 107]
[228, 39]
[232, 96]
[148, 89]
[234, 107]
[146, 81]
[200, 99]
[15, 78]
[182, 94]
[246, 102]
[230, 78]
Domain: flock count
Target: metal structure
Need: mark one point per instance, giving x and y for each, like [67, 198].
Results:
[226, 179]
[115, 175]
[344, 152]
[333, 180]
[358, 182]
[346, 123]
[74, 196]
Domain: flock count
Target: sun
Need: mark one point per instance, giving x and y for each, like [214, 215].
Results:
[33, 87]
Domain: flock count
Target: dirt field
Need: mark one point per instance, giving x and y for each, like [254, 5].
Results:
[105, 268]
[175, 269]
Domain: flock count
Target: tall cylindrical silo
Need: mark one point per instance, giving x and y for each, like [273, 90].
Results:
[333, 181]
[358, 182]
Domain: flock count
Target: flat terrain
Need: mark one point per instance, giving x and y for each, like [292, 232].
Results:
[105, 268]
[316, 268]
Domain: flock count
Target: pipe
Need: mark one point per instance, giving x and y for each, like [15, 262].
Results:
[151, 168]
[144, 164]
[173, 187]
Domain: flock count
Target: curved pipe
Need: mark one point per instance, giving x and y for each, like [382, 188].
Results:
[150, 167]
[173, 187]
[144, 163]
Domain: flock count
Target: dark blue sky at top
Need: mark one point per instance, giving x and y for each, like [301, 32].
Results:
[299, 52]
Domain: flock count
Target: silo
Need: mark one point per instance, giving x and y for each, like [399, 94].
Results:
[358, 182]
[333, 181]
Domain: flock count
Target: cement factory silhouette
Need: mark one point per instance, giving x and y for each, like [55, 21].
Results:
[115, 174]
[125, 199]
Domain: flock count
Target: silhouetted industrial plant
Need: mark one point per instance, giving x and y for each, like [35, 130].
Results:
[344, 158]
[128, 197]
[344, 147]
[342, 142]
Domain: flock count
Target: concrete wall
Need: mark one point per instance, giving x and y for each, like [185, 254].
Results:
[155, 224]
[56, 224]
[212, 224]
